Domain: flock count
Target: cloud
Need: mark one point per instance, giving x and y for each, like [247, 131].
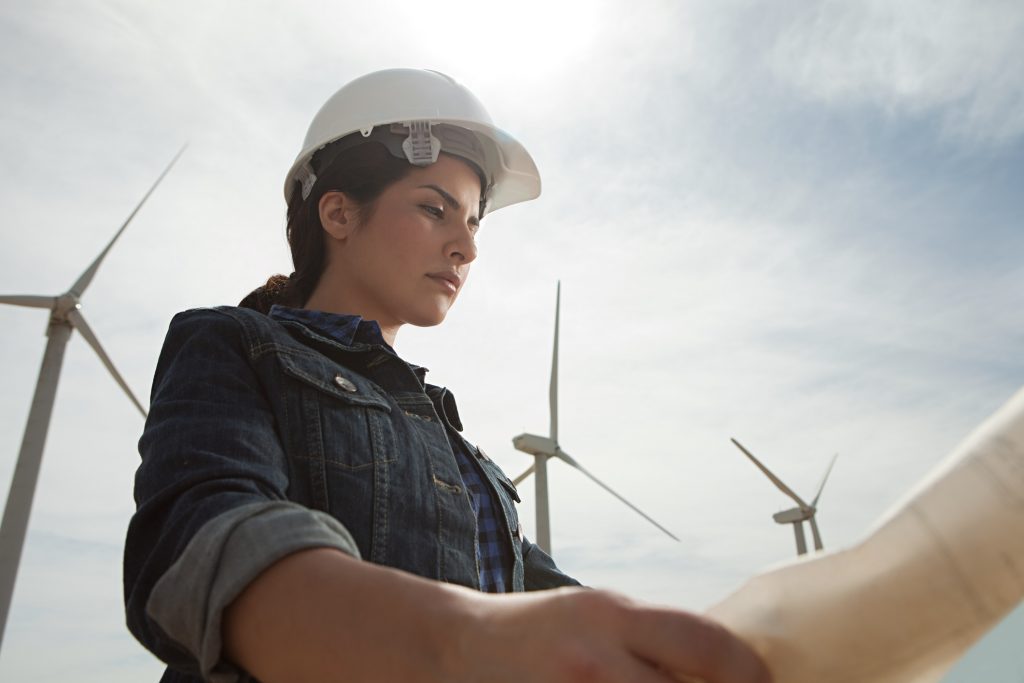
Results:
[957, 60]
[65, 621]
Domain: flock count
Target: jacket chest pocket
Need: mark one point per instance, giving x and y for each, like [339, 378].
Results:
[337, 417]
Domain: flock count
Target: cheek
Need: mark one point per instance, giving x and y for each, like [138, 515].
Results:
[393, 247]
[419, 245]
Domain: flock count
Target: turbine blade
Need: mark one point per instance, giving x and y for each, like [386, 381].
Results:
[76, 318]
[801, 540]
[28, 300]
[775, 480]
[524, 475]
[571, 461]
[814, 503]
[816, 534]
[553, 389]
[82, 283]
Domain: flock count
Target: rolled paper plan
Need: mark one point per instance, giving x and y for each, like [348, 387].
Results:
[902, 606]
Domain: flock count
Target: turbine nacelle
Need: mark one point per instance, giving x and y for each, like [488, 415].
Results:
[793, 515]
[535, 445]
[65, 303]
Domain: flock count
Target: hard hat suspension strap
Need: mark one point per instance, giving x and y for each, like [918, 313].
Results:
[418, 142]
[421, 147]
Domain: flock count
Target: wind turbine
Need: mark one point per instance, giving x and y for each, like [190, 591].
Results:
[65, 315]
[800, 514]
[544, 447]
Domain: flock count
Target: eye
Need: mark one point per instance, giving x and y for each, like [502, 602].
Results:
[435, 211]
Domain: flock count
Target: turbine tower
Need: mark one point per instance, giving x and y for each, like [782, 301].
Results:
[544, 447]
[800, 514]
[65, 315]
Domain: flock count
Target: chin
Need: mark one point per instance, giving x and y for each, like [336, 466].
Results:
[428, 318]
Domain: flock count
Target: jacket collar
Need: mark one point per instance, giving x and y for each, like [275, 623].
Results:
[350, 331]
[343, 328]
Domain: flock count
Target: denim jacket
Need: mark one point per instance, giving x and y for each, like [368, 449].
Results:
[265, 438]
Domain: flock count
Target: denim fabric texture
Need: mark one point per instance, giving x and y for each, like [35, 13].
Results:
[493, 554]
[255, 413]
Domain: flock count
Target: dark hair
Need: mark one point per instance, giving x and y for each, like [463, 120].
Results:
[363, 173]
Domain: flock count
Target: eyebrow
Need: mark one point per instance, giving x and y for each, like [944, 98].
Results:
[444, 195]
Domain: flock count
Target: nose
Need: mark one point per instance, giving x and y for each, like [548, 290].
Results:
[462, 248]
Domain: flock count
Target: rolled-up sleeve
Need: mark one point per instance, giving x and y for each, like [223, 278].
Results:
[212, 510]
[539, 570]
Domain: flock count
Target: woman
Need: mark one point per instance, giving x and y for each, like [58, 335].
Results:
[307, 507]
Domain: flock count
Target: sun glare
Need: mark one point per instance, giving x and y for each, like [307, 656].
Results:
[530, 40]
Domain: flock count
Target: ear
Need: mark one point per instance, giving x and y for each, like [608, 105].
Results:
[337, 214]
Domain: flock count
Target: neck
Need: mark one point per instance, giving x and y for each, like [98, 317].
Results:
[325, 297]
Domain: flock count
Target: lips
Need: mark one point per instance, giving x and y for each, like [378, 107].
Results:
[449, 277]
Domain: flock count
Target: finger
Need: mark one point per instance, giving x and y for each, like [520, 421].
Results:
[689, 645]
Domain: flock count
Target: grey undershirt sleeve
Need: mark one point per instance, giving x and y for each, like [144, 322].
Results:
[224, 556]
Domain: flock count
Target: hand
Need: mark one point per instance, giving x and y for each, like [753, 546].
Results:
[571, 634]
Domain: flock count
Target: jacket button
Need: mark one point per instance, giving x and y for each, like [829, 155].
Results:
[345, 384]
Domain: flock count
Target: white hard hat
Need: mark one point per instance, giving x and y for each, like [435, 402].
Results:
[416, 113]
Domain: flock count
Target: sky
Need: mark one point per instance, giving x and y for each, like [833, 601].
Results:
[793, 223]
